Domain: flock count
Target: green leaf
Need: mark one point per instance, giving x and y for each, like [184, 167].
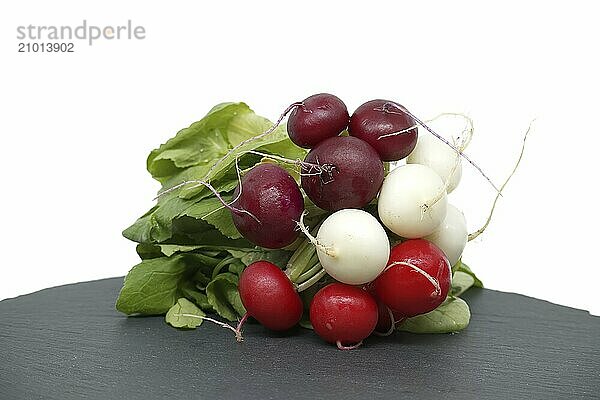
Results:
[212, 211]
[170, 249]
[236, 267]
[196, 296]
[202, 142]
[141, 229]
[278, 257]
[305, 322]
[462, 267]
[223, 296]
[461, 282]
[452, 316]
[201, 280]
[199, 146]
[147, 251]
[184, 314]
[153, 286]
[194, 220]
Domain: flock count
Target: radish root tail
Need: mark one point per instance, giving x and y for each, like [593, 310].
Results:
[388, 108]
[325, 249]
[198, 183]
[478, 232]
[238, 335]
[392, 324]
[354, 346]
[459, 145]
[238, 328]
[324, 171]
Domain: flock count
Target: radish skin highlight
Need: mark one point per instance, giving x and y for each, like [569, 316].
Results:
[412, 201]
[352, 246]
[451, 235]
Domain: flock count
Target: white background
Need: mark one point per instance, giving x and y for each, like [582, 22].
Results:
[76, 128]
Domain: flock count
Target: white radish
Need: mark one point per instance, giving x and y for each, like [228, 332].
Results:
[412, 201]
[352, 246]
[440, 157]
[451, 235]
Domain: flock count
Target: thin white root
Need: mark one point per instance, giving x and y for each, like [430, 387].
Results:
[229, 206]
[309, 282]
[440, 115]
[238, 335]
[216, 193]
[354, 346]
[478, 232]
[410, 128]
[325, 249]
[465, 139]
[386, 108]
[431, 279]
[392, 325]
[239, 177]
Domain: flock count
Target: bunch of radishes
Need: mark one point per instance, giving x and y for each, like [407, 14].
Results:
[343, 174]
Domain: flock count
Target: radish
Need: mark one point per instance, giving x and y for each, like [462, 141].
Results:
[318, 117]
[343, 314]
[352, 246]
[416, 280]
[412, 201]
[269, 296]
[438, 156]
[387, 319]
[392, 134]
[349, 176]
[451, 235]
[267, 205]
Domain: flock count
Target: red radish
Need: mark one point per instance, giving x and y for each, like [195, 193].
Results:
[269, 296]
[317, 118]
[271, 203]
[343, 314]
[352, 179]
[417, 278]
[392, 133]
[387, 319]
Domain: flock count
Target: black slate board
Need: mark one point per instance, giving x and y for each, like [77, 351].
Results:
[69, 343]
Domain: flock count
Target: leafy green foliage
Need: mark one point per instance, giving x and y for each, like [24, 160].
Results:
[184, 314]
[452, 316]
[223, 296]
[153, 286]
[462, 267]
[461, 282]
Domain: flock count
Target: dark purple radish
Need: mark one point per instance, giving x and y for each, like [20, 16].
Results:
[375, 120]
[268, 207]
[343, 314]
[319, 117]
[269, 296]
[347, 174]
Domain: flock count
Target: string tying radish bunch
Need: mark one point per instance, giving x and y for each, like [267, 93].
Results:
[385, 245]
